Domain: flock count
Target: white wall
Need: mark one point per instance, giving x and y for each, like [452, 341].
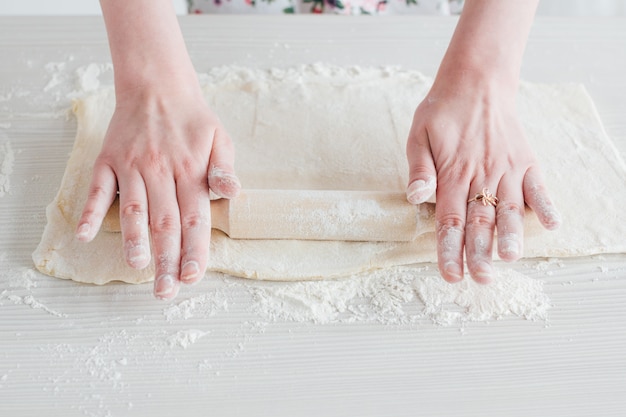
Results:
[582, 7]
[63, 7]
[90, 7]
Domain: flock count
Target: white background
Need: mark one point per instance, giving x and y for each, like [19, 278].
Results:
[90, 7]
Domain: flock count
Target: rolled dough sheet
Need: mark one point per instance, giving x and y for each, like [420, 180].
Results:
[325, 127]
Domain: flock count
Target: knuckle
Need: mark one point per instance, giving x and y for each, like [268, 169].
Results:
[155, 161]
[165, 223]
[97, 192]
[422, 170]
[131, 159]
[195, 220]
[480, 221]
[187, 166]
[133, 208]
[90, 213]
[450, 221]
[150, 160]
[508, 209]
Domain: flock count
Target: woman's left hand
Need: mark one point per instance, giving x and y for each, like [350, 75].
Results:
[467, 142]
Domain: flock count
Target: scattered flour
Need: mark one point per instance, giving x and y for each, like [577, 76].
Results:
[402, 295]
[97, 363]
[18, 285]
[7, 158]
[207, 304]
[185, 338]
[23, 277]
[57, 77]
[30, 301]
[108, 361]
[88, 77]
[64, 83]
[549, 264]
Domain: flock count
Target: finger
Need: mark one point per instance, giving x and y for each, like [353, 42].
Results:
[450, 213]
[510, 219]
[102, 192]
[422, 172]
[222, 179]
[536, 196]
[479, 230]
[195, 214]
[134, 220]
[164, 220]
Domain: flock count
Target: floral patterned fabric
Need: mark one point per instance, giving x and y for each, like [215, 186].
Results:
[345, 7]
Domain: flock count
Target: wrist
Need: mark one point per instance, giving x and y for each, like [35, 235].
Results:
[464, 76]
[454, 81]
[142, 76]
[147, 47]
[488, 44]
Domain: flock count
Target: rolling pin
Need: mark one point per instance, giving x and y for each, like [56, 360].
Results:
[313, 215]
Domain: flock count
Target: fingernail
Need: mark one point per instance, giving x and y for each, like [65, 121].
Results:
[553, 219]
[484, 271]
[509, 246]
[137, 255]
[83, 230]
[453, 271]
[419, 190]
[224, 184]
[190, 271]
[165, 287]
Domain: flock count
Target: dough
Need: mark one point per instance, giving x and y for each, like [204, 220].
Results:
[324, 127]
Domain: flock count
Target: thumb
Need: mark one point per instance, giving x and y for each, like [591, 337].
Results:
[422, 172]
[222, 179]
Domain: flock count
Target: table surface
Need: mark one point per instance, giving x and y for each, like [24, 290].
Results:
[71, 349]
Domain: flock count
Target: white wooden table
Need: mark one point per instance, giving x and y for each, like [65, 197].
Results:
[70, 349]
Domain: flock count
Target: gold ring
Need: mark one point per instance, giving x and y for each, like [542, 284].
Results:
[485, 197]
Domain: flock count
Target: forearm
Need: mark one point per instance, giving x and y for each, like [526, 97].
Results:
[489, 40]
[147, 46]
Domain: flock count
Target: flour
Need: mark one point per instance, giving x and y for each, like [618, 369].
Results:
[394, 296]
[96, 363]
[30, 301]
[65, 84]
[207, 304]
[19, 283]
[25, 278]
[56, 70]
[186, 338]
[7, 158]
[402, 295]
[88, 77]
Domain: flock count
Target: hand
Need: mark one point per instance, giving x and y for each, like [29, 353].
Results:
[163, 151]
[466, 137]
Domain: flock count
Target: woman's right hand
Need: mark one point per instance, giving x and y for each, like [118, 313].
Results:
[163, 151]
